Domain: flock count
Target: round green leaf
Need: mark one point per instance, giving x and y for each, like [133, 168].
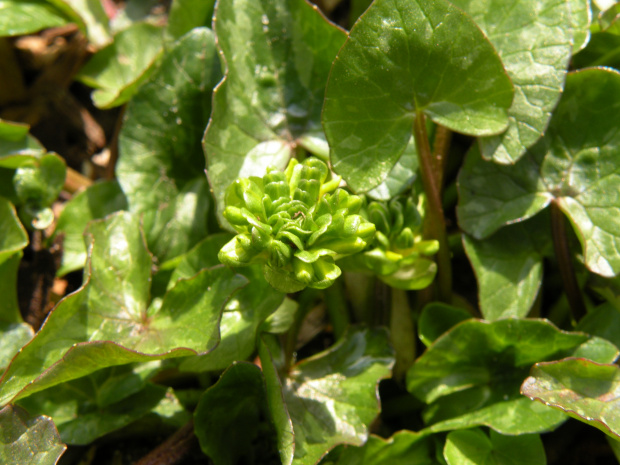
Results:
[574, 164]
[401, 58]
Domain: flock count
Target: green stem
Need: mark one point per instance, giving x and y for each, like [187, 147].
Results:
[565, 262]
[306, 301]
[403, 334]
[337, 308]
[435, 217]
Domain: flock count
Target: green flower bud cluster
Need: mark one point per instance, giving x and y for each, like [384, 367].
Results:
[398, 254]
[295, 223]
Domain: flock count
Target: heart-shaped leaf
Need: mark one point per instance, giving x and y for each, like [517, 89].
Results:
[583, 389]
[534, 40]
[471, 375]
[161, 165]
[26, 440]
[509, 266]
[574, 164]
[474, 447]
[404, 58]
[110, 320]
[332, 397]
[278, 54]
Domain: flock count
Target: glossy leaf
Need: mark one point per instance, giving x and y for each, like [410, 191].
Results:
[94, 18]
[161, 165]
[509, 267]
[18, 17]
[602, 50]
[278, 54]
[402, 58]
[109, 321]
[581, 16]
[94, 203]
[471, 375]
[400, 178]
[117, 70]
[583, 389]
[90, 407]
[574, 165]
[534, 40]
[332, 396]
[28, 441]
[403, 448]
[233, 422]
[13, 237]
[474, 447]
[185, 15]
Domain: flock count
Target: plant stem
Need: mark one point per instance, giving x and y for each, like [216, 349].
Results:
[337, 308]
[306, 301]
[443, 137]
[435, 217]
[403, 334]
[563, 255]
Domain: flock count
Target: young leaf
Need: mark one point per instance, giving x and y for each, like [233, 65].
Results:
[403, 448]
[534, 40]
[161, 165]
[109, 321]
[332, 397]
[278, 54]
[15, 141]
[508, 267]
[471, 375]
[94, 203]
[583, 389]
[404, 58]
[574, 164]
[26, 440]
[581, 17]
[233, 422]
[117, 70]
[474, 447]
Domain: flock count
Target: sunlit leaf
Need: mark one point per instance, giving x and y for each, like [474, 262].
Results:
[534, 40]
[574, 164]
[583, 389]
[111, 321]
[26, 440]
[404, 57]
[278, 54]
[19, 17]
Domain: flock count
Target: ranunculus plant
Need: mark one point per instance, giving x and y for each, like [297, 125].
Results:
[405, 248]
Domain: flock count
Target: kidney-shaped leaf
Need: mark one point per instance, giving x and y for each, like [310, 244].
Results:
[471, 375]
[575, 164]
[113, 305]
[583, 389]
[402, 58]
[28, 441]
[534, 40]
[278, 54]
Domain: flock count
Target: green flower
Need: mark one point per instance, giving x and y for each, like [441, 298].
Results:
[398, 254]
[296, 224]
